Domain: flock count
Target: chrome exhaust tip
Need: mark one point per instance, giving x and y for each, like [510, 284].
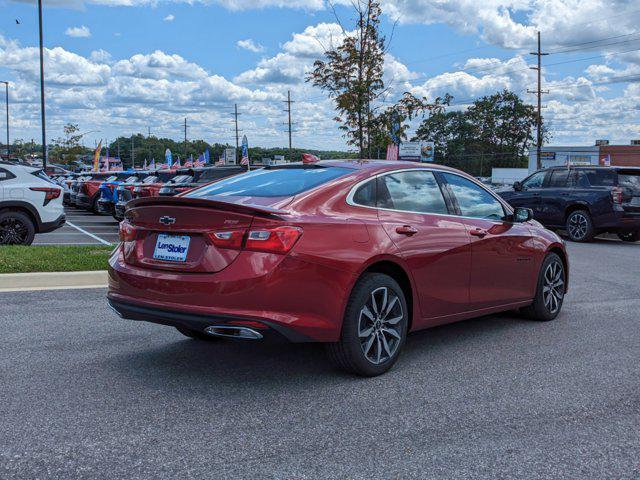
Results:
[233, 332]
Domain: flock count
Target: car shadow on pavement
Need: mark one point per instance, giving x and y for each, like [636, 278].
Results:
[229, 361]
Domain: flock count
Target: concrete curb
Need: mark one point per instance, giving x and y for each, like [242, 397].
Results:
[20, 282]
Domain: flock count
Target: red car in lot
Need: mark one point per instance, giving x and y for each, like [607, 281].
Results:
[352, 253]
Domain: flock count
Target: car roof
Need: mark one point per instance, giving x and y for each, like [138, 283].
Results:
[375, 166]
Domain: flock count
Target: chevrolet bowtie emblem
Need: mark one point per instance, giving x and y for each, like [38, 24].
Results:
[167, 220]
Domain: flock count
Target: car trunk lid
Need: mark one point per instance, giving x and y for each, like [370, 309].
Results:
[176, 233]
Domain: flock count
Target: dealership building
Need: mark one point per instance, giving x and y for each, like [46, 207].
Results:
[600, 154]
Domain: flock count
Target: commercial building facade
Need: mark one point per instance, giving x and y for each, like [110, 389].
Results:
[601, 154]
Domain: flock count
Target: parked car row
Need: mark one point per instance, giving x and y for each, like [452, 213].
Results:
[108, 193]
[30, 203]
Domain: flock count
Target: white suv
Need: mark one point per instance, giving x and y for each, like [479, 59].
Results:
[30, 203]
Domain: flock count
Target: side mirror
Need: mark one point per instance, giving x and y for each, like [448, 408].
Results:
[517, 186]
[521, 214]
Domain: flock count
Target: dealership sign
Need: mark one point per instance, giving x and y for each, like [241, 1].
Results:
[417, 151]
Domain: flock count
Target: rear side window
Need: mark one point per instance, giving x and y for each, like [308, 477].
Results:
[473, 200]
[558, 178]
[6, 175]
[283, 182]
[629, 180]
[366, 194]
[416, 191]
[595, 178]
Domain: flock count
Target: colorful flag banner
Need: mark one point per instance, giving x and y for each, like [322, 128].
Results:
[96, 157]
[245, 152]
[168, 157]
[152, 165]
[207, 158]
[392, 151]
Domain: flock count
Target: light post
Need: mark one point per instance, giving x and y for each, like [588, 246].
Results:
[6, 89]
[44, 135]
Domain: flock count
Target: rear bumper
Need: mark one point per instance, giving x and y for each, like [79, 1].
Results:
[51, 226]
[304, 301]
[83, 201]
[131, 311]
[618, 221]
[118, 210]
[105, 206]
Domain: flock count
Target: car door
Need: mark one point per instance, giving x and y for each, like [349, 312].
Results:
[502, 252]
[433, 243]
[529, 195]
[554, 197]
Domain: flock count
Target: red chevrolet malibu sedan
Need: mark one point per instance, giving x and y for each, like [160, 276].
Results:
[355, 254]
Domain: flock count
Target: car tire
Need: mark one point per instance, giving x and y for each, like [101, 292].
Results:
[16, 228]
[94, 205]
[550, 290]
[629, 236]
[579, 226]
[195, 334]
[374, 328]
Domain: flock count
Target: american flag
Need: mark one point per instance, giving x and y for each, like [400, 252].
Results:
[200, 162]
[392, 151]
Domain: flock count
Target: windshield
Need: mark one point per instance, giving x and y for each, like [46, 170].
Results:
[151, 179]
[180, 179]
[284, 182]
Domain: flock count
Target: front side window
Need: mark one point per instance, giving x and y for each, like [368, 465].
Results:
[534, 181]
[413, 191]
[473, 200]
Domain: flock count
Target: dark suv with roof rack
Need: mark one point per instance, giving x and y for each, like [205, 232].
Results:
[586, 201]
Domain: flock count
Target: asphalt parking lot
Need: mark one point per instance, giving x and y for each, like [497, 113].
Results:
[82, 228]
[87, 395]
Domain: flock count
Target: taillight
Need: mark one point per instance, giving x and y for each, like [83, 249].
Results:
[49, 193]
[273, 240]
[616, 195]
[128, 232]
[227, 239]
[270, 240]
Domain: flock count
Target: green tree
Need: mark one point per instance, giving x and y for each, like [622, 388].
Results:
[495, 131]
[352, 74]
[67, 149]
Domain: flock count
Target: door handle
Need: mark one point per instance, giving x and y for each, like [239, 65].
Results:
[478, 232]
[406, 230]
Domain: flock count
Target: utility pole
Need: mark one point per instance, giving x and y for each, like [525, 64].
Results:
[539, 93]
[185, 139]
[44, 134]
[288, 101]
[6, 86]
[237, 131]
[133, 155]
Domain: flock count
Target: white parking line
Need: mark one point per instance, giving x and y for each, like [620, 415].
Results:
[104, 242]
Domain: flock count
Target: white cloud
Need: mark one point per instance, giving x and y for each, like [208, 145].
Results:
[159, 65]
[250, 45]
[80, 32]
[169, 18]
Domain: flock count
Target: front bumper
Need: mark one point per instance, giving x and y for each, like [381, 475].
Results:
[66, 198]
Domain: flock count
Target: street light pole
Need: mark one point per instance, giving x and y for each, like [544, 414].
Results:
[44, 135]
[6, 86]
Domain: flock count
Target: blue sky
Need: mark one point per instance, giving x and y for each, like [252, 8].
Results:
[122, 66]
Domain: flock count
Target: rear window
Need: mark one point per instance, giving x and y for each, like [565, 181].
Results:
[630, 180]
[283, 182]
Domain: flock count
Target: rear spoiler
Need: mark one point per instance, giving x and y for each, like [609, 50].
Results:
[207, 203]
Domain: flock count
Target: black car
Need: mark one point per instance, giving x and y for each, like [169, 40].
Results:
[199, 176]
[586, 201]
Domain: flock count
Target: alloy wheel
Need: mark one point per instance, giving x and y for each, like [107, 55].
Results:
[13, 232]
[578, 226]
[553, 287]
[380, 325]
